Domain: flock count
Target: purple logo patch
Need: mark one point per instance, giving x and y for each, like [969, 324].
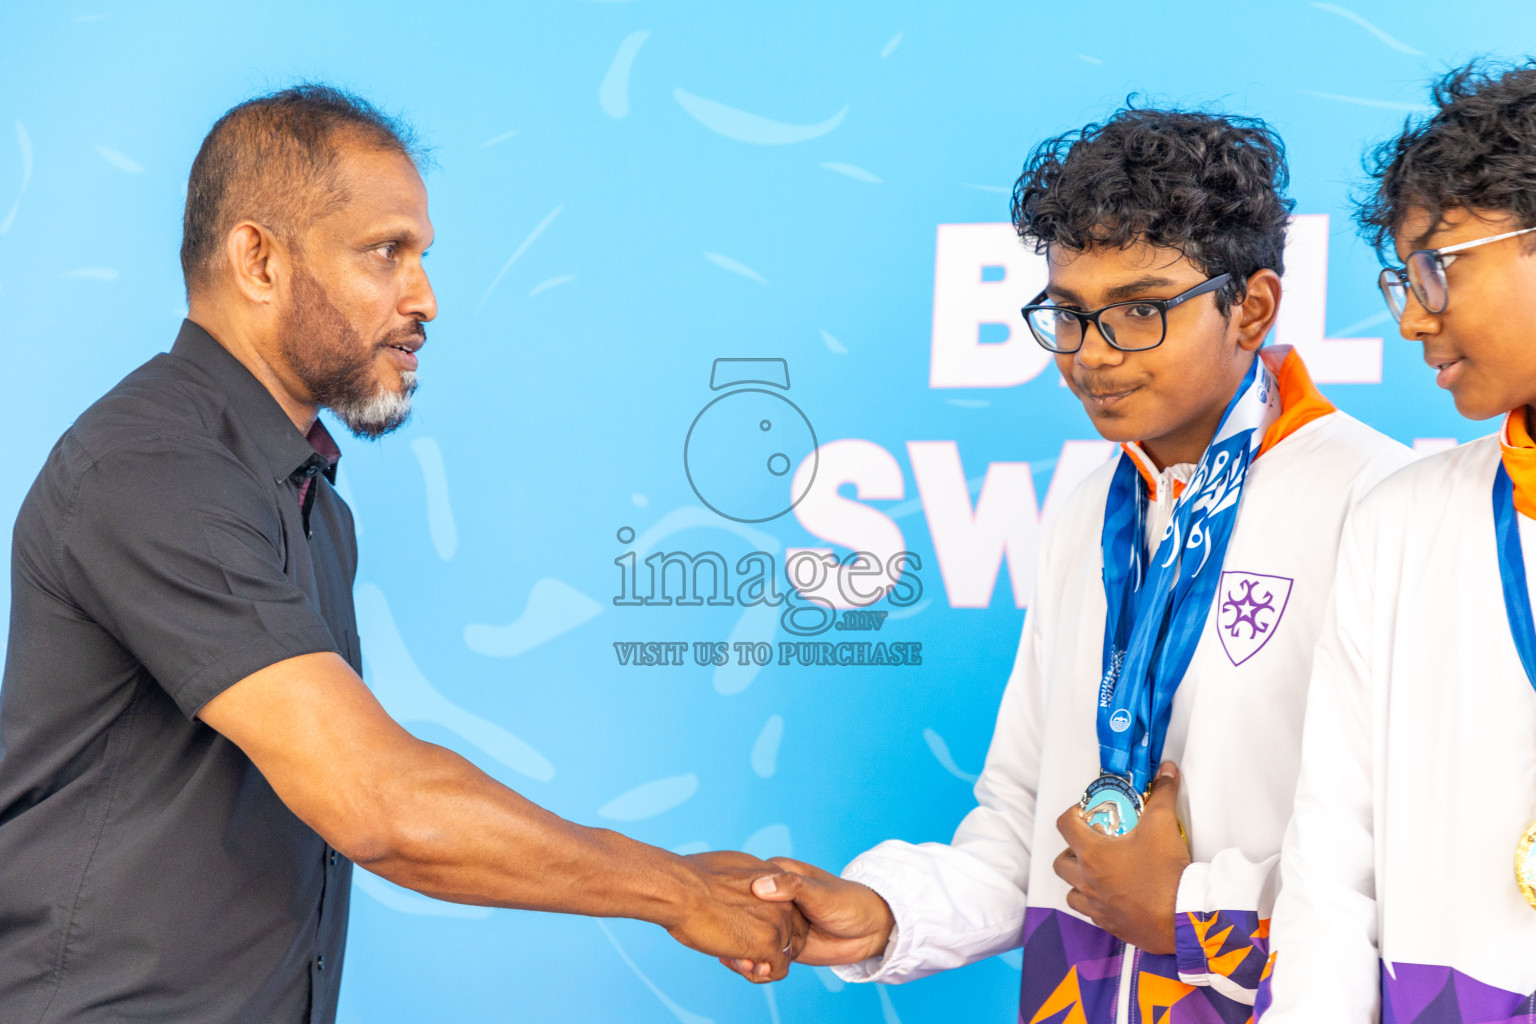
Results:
[1250, 609]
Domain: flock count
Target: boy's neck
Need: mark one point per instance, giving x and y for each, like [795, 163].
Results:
[1186, 444]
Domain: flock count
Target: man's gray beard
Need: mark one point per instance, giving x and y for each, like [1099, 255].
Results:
[377, 415]
[326, 352]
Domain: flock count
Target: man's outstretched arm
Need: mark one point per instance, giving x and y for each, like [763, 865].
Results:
[425, 818]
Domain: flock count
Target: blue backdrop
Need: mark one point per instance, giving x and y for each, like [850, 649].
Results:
[625, 192]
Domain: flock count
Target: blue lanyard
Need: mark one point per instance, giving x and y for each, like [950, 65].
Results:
[1156, 612]
[1517, 596]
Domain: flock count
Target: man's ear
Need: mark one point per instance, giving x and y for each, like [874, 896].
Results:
[258, 262]
[1255, 315]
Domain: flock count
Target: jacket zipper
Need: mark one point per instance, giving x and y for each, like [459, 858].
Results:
[1127, 991]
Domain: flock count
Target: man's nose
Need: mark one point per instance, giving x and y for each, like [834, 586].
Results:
[419, 301]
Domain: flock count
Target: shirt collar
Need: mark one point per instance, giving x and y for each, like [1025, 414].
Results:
[1177, 475]
[1300, 401]
[289, 454]
[1519, 454]
[325, 446]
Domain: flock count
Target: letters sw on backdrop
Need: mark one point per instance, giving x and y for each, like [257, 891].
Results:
[982, 274]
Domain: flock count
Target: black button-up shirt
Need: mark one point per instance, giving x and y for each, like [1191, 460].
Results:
[182, 535]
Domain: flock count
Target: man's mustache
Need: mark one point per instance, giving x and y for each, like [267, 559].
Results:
[416, 332]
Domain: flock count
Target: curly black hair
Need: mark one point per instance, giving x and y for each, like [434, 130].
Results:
[1477, 150]
[1209, 186]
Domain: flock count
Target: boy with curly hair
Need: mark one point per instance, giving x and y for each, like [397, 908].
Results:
[1180, 594]
[1418, 785]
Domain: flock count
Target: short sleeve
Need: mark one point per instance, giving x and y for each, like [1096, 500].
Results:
[179, 551]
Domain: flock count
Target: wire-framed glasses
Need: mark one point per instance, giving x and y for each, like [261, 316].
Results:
[1424, 275]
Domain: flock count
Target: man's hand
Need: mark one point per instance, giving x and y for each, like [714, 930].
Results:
[848, 922]
[728, 921]
[1128, 884]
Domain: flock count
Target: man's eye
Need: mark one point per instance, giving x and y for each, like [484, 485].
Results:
[1141, 311]
[387, 250]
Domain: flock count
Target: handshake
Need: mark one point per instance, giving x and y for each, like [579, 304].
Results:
[759, 916]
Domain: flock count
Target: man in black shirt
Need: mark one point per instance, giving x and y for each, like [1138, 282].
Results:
[189, 760]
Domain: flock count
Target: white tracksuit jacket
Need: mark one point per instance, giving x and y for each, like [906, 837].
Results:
[1419, 772]
[1235, 731]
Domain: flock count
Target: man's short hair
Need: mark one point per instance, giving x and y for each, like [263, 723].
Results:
[1207, 185]
[275, 160]
[1476, 150]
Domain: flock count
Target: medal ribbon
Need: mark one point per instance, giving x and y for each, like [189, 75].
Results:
[1158, 608]
[1517, 596]
[1507, 508]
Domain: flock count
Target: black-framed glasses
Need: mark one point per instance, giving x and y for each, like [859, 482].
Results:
[1424, 275]
[1131, 326]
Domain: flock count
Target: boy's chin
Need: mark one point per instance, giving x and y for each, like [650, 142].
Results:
[1118, 429]
[1477, 407]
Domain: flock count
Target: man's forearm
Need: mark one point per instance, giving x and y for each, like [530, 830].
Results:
[423, 816]
[452, 832]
